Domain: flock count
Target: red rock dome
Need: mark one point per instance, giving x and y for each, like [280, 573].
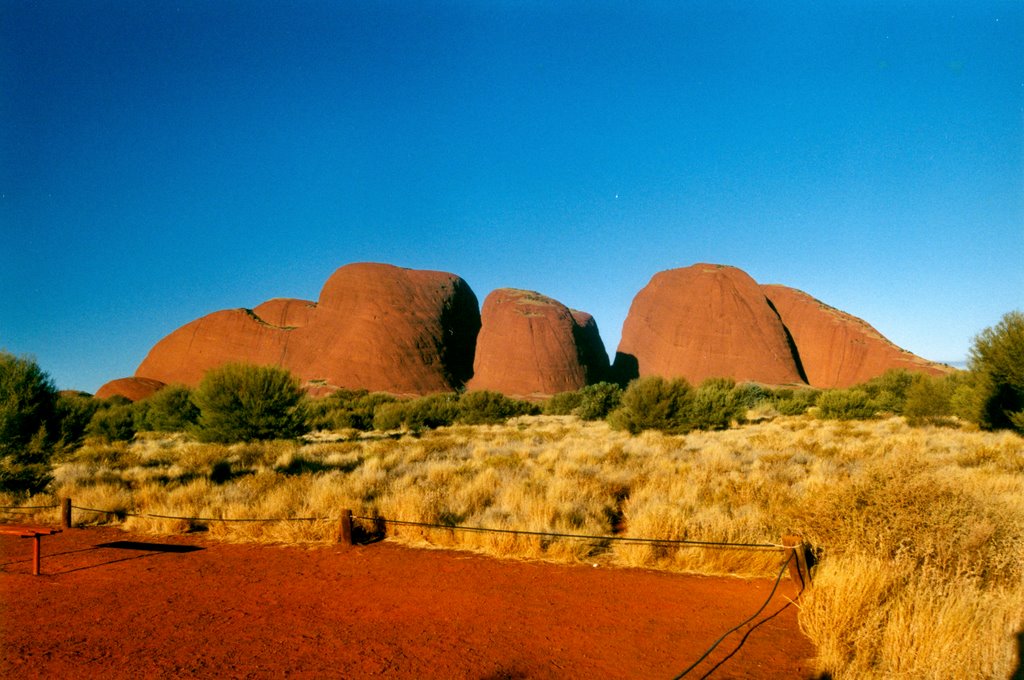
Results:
[376, 326]
[532, 345]
[129, 388]
[705, 321]
[838, 349]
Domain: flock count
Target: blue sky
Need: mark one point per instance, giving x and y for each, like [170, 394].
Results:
[160, 161]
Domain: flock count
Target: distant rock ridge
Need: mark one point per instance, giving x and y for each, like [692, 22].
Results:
[412, 332]
[837, 349]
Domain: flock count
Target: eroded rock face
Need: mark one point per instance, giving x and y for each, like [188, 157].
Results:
[375, 326]
[129, 388]
[705, 321]
[838, 349]
[531, 345]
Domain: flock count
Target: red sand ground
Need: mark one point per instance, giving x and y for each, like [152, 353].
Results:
[114, 605]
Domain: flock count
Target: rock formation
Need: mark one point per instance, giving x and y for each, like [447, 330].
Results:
[404, 331]
[531, 345]
[133, 389]
[375, 326]
[837, 349]
[702, 322]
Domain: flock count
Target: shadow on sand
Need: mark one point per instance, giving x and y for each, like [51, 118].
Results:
[146, 549]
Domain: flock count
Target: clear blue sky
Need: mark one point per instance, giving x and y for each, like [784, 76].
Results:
[160, 161]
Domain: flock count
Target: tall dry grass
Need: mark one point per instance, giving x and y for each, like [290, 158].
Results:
[919, 532]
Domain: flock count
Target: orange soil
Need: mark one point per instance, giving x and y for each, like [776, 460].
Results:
[115, 605]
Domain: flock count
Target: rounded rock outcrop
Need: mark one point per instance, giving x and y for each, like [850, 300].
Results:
[705, 321]
[838, 349]
[376, 326]
[531, 345]
[133, 389]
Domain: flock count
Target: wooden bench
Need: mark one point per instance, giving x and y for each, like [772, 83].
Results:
[35, 533]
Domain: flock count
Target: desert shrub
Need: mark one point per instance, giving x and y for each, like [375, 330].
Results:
[968, 392]
[654, 403]
[598, 400]
[484, 407]
[244, 402]
[348, 409]
[74, 412]
[850, 404]
[793, 402]
[997, 355]
[752, 395]
[168, 410]
[433, 410]
[563, 403]
[28, 423]
[928, 400]
[888, 392]
[716, 404]
[113, 423]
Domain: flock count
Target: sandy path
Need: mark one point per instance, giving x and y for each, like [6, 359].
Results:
[115, 605]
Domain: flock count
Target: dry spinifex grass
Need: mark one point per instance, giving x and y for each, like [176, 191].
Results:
[920, 530]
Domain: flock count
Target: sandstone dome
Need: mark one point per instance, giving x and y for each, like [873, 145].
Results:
[376, 326]
[705, 321]
[838, 349]
[531, 345]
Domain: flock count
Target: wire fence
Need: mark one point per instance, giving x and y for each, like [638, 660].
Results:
[426, 525]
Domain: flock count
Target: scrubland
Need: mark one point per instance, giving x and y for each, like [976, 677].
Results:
[918, 532]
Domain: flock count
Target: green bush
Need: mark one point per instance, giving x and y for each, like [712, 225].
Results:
[113, 423]
[423, 413]
[888, 392]
[490, 408]
[74, 412]
[563, 403]
[716, 404]
[849, 404]
[793, 402]
[28, 424]
[243, 402]
[929, 401]
[598, 400]
[654, 403]
[347, 409]
[997, 356]
[170, 409]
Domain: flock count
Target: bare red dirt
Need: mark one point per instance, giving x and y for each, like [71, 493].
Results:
[115, 605]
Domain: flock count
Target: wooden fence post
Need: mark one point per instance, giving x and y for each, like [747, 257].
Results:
[798, 570]
[65, 513]
[345, 528]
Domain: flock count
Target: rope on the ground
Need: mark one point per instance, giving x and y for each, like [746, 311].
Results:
[587, 537]
[732, 630]
[146, 515]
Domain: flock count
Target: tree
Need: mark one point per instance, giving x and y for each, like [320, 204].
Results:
[997, 356]
[28, 423]
[244, 402]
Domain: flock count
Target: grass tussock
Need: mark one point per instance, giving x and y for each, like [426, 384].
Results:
[918, 532]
